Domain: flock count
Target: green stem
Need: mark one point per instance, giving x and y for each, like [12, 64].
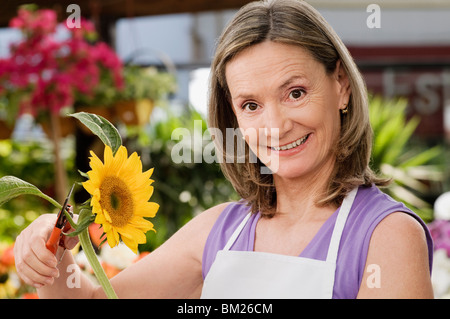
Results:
[51, 200]
[95, 264]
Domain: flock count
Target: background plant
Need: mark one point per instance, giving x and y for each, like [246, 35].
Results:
[416, 170]
[145, 82]
[51, 74]
[32, 161]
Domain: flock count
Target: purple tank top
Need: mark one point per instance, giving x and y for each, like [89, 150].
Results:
[369, 208]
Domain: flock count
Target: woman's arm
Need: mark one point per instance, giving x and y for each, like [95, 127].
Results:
[397, 264]
[172, 271]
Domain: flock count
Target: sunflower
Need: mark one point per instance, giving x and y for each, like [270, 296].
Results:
[120, 197]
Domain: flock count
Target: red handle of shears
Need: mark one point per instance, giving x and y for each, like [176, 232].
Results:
[53, 241]
[57, 237]
[61, 226]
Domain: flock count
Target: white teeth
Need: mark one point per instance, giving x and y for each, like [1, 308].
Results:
[291, 145]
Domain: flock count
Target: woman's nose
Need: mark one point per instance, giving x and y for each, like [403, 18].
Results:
[277, 121]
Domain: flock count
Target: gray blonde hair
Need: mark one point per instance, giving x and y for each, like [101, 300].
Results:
[297, 23]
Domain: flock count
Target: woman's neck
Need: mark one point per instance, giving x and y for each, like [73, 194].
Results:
[299, 196]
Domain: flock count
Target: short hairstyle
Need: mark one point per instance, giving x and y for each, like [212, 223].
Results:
[292, 22]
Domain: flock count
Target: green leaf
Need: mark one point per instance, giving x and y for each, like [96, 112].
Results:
[103, 241]
[83, 174]
[85, 219]
[423, 157]
[101, 127]
[400, 140]
[82, 226]
[11, 187]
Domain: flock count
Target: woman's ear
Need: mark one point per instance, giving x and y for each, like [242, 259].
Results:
[344, 89]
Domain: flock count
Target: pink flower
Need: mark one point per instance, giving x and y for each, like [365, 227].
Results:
[52, 73]
[85, 32]
[440, 232]
[21, 20]
[35, 23]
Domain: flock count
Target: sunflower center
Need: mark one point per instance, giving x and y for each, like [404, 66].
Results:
[117, 200]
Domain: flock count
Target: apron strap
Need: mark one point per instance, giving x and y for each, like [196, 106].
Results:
[339, 226]
[236, 233]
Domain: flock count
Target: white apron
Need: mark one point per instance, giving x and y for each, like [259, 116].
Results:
[249, 274]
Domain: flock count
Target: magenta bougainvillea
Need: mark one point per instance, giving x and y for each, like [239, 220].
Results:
[51, 74]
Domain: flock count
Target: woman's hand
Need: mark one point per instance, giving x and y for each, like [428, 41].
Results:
[35, 264]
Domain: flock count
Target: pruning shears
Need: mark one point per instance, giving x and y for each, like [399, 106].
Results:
[62, 226]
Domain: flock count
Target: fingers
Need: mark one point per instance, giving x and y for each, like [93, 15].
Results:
[38, 268]
[70, 242]
[35, 264]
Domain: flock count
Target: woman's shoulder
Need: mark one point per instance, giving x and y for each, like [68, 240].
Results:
[373, 209]
[371, 198]
[214, 219]
[223, 219]
[227, 212]
[372, 206]
[375, 220]
[401, 249]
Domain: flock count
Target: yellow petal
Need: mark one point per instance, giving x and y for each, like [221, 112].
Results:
[131, 232]
[106, 227]
[100, 219]
[89, 186]
[147, 209]
[119, 160]
[141, 224]
[132, 164]
[107, 157]
[107, 217]
[131, 244]
[112, 237]
[95, 163]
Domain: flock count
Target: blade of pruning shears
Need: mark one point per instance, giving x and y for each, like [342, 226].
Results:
[57, 236]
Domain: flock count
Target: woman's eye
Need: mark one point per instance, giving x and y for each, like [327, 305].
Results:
[296, 94]
[250, 106]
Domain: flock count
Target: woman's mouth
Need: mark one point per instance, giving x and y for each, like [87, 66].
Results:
[292, 145]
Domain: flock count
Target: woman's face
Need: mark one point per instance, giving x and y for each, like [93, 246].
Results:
[283, 95]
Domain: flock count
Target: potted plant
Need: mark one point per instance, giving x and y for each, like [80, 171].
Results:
[142, 87]
[414, 169]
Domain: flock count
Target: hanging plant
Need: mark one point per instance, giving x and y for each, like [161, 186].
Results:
[51, 74]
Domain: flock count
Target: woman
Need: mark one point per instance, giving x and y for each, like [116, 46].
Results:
[312, 222]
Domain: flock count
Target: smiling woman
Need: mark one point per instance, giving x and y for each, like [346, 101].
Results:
[281, 69]
[304, 108]
[302, 69]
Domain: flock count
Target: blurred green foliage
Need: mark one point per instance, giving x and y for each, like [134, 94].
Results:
[31, 161]
[416, 169]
